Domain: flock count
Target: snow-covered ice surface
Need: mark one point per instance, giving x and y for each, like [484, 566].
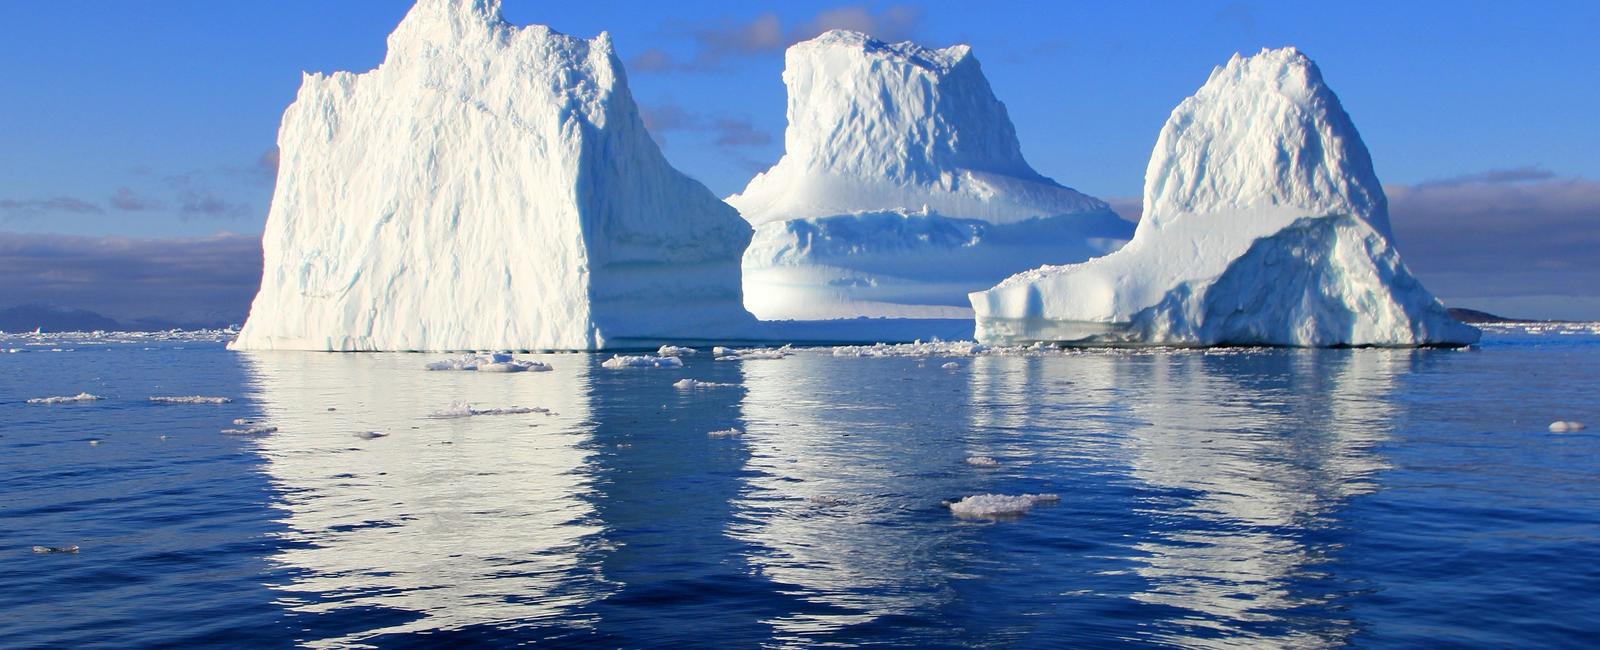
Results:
[66, 399]
[991, 506]
[1263, 224]
[674, 351]
[190, 399]
[902, 187]
[487, 187]
[748, 354]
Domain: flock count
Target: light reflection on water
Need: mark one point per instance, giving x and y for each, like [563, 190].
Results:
[1226, 499]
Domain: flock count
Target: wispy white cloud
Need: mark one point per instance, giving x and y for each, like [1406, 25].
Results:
[767, 34]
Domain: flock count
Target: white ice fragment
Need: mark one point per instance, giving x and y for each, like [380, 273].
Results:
[56, 549]
[620, 361]
[460, 409]
[488, 363]
[190, 399]
[1563, 426]
[694, 384]
[252, 430]
[725, 433]
[65, 399]
[674, 351]
[988, 506]
[950, 365]
[982, 461]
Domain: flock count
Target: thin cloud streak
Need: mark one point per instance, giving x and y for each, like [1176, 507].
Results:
[766, 34]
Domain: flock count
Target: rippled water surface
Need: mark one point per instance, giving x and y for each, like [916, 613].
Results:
[1279, 498]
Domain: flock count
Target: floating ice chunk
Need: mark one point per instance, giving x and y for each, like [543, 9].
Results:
[983, 461]
[988, 506]
[918, 349]
[674, 351]
[190, 399]
[950, 365]
[252, 430]
[693, 384]
[56, 549]
[726, 433]
[489, 363]
[729, 354]
[462, 410]
[66, 399]
[617, 362]
[370, 435]
[1563, 426]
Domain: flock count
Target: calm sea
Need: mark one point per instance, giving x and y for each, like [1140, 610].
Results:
[1231, 498]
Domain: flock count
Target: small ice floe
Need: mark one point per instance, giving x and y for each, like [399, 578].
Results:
[726, 433]
[695, 384]
[56, 549]
[730, 354]
[950, 365]
[674, 351]
[370, 435]
[990, 506]
[489, 363]
[983, 461]
[914, 349]
[190, 399]
[94, 441]
[1563, 426]
[242, 421]
[619, 361]
[66, 399]
[251, 430]
[463, 410]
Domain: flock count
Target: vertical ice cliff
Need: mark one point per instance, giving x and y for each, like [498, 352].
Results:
[902, 187]
[487, 186]
[1263, 224]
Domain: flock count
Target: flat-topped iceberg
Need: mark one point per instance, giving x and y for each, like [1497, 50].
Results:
[486, 187]
[902, 188]
[1263, 224]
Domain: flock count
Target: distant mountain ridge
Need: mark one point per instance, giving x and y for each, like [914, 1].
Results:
[55, 318]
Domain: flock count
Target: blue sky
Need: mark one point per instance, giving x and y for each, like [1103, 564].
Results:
[156, 119]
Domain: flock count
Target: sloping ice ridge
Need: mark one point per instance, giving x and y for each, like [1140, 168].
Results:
[1264, 223]
[487, 187]
[902, 187]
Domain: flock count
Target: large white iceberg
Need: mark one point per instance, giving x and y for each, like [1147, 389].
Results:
[1263, 224]
[901, 189]
[486, 187]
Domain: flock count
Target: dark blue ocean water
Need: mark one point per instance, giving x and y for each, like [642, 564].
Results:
[1239, 498]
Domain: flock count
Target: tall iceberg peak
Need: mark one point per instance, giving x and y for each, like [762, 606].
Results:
[486, 187]
[1263, 131]
[1264, 224]
[901, 188]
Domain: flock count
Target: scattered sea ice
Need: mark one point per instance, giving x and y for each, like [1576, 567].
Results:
[617, 362]
[1563, 426]
[988, 506]
[726, 433]
[65, 399]
[190, 399]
